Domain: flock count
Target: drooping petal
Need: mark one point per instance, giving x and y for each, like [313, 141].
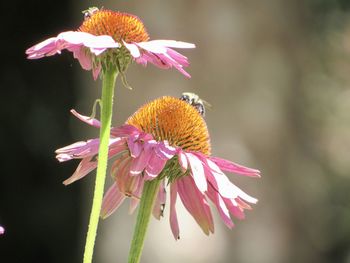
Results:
[91, 121]
[127, 184]
[232, 167]
[135, 146]
[234, 209]
[135, 198]
[78, 150]
[172, 62]
[220, 205]
[124, 131]
[223, 185]
[173, 216]
[139, 164]
[181, 59]
[195, 203]
[83, 58]
[84, 167]
[96, 71]
[111, 201]
[155, 166]
[197, 172]
[159, 53]
[162, 152]
[160, 201]
[152, 58]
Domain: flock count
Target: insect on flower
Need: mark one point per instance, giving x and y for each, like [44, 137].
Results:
[113, 38]
[166, 139]
[194, 100]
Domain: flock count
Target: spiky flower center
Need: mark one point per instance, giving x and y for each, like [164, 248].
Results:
[174, 120]
[120, 26]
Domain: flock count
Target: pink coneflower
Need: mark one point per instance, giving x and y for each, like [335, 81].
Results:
[2, 230]
[166, 139]
[108, 36]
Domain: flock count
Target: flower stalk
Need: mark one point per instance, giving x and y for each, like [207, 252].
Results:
[150, 191]
[108, 83]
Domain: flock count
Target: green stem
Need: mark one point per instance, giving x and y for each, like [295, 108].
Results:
[150, 191]
[108, 83]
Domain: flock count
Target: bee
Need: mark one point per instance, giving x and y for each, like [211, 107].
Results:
[194, 100]
[89, 12]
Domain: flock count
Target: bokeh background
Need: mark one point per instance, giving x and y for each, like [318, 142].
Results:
[277, 74]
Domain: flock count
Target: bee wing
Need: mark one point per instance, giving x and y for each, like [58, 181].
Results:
[207, 104]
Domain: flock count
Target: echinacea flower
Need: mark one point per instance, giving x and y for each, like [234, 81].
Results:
[2, 230]
[107, 36]
[166, 139]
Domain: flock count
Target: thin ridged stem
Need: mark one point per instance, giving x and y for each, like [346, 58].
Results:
[149, 194]
[109, 78]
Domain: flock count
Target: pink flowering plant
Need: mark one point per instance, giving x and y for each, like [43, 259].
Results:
[123, 39]
[164, 145]
[106, 43]
[165, 142]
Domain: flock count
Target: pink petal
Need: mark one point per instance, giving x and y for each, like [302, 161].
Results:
[160, 202]
[118, 163]
[183, 161]
[84, 167]
[78, 150]
[88, 120]
[140, 163]
[127, 184]
[232, 167]
[196, 204]
[135, 199]
[111, 201]
[41, 49]
[171, 62]
[173, 43]
[221, 183]
[97, 44]
[124, 131]
[234, 209]
[165, 150]
[221, 207]
[161, 154]
[158, 53]
[242, 204]
[179, 58]
[96, 71]
[117, 146]
[197, 172]
[2, 230]
[83, 58]
[154, 167]
[135, 146]
[173, 216]
[159, 46]
[152, 58]
[134, 50]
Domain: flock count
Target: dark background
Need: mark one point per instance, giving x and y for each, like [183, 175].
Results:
[278, 79]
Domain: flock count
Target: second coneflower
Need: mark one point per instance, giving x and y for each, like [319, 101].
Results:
[165, 140]
[109, 37]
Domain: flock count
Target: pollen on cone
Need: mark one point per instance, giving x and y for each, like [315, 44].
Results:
[174, 120]
[120, 26]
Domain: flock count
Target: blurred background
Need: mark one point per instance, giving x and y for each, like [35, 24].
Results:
[277, 75]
